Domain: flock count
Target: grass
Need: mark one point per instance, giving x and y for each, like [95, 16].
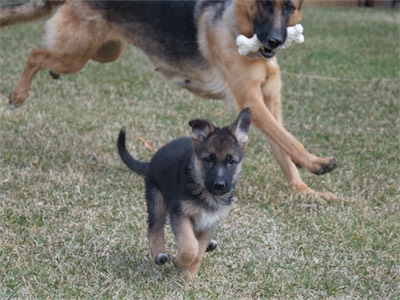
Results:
[73, 218]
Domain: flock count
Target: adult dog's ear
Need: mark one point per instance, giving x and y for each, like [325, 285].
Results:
[246, 11]
[240, 128]
[296, 16]
[201, 129]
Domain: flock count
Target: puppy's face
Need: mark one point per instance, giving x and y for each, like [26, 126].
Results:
[219, 152]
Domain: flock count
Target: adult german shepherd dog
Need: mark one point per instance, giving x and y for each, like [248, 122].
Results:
[190, 42]
[192, 180]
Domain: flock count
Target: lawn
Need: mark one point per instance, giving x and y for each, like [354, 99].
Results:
[73, 217]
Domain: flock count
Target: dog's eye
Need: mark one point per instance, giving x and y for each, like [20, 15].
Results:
[230, 161]
[267, 4]
[289, 6]
[209, 159]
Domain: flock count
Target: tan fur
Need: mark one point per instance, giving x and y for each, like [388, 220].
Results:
[156, 234]
[191, 248]
[203, 239]
[188, 245]
[73, 36]
[245, 12]
[296, 17]
[77, 33]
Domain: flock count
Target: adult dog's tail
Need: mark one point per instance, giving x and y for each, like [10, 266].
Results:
[17, 11]
[135, 165]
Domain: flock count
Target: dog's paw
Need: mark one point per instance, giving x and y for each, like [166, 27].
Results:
[16, 99]
[323, 196]
[328, 196]
[212, 245]
[324, 165]
[161, 259]
[303, 190]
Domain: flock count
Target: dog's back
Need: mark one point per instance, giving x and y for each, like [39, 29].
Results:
[168, 169]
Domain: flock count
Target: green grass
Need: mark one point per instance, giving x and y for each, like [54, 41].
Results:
[73, 218]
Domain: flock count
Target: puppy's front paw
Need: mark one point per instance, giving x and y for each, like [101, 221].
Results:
[161, 259]
[212, 245]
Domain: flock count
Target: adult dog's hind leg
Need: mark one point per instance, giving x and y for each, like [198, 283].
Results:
[110, 51]
[272, 98]
[157, 214]
[33, 65]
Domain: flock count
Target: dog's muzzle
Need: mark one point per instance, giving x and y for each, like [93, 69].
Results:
[219, 187]
[271, 47]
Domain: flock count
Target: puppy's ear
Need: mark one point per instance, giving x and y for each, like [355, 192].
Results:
[201, 129]
[240, 128]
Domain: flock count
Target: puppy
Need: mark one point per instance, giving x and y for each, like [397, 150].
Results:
[192, 180]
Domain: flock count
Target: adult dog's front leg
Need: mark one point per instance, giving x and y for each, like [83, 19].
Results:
[272, 97]
[266, 122]
[245, 82]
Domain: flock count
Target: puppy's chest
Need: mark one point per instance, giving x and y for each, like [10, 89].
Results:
[207, 220]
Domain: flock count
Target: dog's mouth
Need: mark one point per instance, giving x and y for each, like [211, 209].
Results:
[266, 52]
[218, 192]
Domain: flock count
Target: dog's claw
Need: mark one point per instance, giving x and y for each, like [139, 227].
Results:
[15, 99]
[11, 105]
[11, 101]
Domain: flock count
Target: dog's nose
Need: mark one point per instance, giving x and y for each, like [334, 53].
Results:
[219, 185]
[274, 42]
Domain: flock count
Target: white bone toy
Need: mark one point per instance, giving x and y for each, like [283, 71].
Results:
[247, 45]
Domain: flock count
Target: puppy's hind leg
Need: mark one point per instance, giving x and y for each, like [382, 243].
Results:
[157, 214]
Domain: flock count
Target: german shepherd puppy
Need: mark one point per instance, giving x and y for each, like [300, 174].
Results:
[192, 43]
[192, 180]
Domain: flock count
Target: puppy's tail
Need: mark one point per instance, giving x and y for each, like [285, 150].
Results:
[135, 165]
[26, 10]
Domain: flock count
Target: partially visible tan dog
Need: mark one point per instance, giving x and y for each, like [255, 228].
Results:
[190, 42]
